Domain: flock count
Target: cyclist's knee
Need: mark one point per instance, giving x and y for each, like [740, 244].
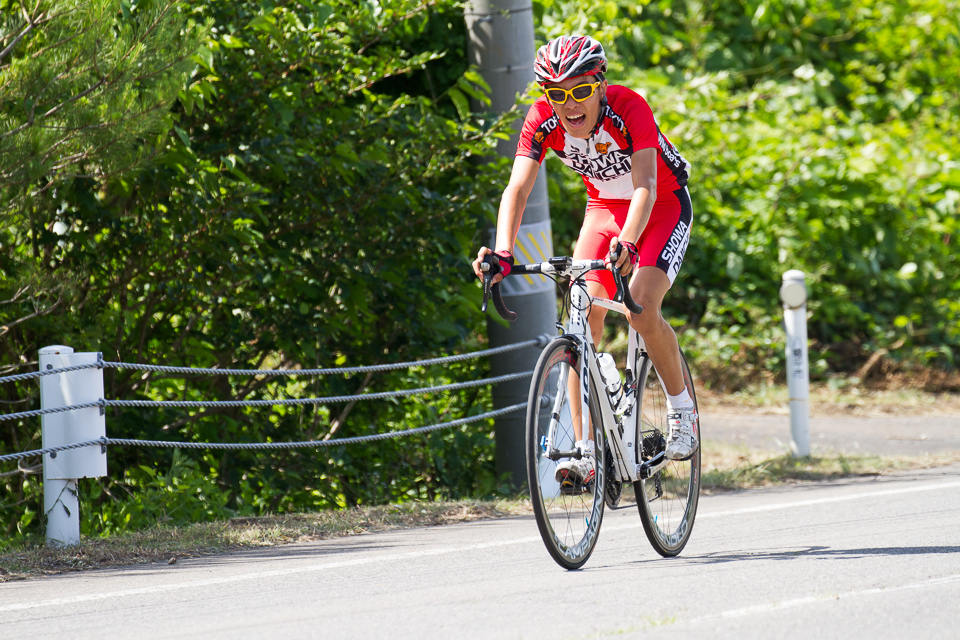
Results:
[646, 321]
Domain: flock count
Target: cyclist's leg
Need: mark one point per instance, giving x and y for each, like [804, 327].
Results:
[648, 286]
[661, 248]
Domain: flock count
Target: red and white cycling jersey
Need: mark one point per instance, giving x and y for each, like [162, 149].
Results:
[604, 160]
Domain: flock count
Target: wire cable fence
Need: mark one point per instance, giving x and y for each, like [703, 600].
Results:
[102, 403]
[208, 404]
[101, 364]
[260, 446]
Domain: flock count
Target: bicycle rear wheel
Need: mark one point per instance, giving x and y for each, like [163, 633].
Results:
[568, 519]
[668, 500]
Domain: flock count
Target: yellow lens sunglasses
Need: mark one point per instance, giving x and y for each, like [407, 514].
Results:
[579, 93]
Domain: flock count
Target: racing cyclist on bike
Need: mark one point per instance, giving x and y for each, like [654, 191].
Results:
[637, 201]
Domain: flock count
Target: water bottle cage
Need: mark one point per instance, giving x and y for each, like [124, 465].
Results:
[629, 399]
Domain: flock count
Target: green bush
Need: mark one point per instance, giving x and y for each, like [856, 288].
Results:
[313, 205]
[822, 138]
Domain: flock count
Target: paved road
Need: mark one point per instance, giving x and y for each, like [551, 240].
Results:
[876, 559]
[901, 435]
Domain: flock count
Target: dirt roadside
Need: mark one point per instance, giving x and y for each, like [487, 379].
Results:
[886, 423]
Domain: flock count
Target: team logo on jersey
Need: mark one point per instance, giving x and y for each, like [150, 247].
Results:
[538, 137]
[602, 147]
[603, 167]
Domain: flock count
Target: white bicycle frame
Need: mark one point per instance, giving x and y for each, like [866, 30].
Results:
[621, 435]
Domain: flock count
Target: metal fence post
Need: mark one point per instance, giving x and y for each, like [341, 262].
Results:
[793, 294]
[61, 505]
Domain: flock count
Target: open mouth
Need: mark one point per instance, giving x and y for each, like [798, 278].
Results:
[577, 120]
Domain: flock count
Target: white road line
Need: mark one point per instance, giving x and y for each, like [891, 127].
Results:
[326, 566]
[701, 515]
[259, 575]
[799, 602]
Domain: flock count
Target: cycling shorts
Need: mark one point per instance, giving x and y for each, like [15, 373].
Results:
[662, 244]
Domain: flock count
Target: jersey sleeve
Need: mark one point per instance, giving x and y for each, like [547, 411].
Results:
[638, 120]
[538, 131]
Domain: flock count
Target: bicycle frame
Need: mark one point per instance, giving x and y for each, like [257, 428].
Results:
[623, 435]
[569, 508]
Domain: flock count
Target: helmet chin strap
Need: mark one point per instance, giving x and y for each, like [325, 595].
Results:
[603, 107]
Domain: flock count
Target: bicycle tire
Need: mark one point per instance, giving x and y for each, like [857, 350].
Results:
[569, 524]
[668, 500]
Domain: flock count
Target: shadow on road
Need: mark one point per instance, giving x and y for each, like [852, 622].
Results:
[818, 552]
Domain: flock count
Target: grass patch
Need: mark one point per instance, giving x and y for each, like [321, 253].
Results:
[729, 468]
[167, 544]
[837, 397]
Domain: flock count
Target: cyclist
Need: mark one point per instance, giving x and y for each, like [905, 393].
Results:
[638, 202]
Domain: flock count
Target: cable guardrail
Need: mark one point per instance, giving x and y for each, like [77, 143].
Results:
[103, 403]
[378, 368]
[49, 372]
[80, 432]
[306, 444]
[207, 404]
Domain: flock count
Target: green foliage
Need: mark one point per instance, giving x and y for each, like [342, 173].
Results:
[184, 493]
[86, 88]
[312, 198]
[314, 206]
[822, 137]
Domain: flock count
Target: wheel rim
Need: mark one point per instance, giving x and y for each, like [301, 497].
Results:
[669, 498]
[569, 524]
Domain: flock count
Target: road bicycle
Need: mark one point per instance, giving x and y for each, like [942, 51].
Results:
[628, 427]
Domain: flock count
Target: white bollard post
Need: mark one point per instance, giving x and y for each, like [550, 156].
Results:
[793, 294]
[61, 505]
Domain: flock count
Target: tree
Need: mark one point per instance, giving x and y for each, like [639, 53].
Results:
[87, 86]
[314, 207]
[85, 93]
[822, 136]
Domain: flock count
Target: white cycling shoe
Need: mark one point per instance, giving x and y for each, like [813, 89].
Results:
[683, 439]
[576, 476]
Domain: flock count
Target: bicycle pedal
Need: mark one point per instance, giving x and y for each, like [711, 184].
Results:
[575, 487]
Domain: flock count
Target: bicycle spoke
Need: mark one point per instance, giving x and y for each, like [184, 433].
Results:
[667, 501]
[568, 516]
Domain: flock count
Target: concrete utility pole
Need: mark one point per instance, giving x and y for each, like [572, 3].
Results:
[501, 45]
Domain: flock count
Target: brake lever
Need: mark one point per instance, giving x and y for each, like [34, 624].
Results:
[493, 290]
[487, 277]
[623, 288]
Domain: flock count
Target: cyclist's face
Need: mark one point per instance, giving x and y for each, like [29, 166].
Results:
[579, 118]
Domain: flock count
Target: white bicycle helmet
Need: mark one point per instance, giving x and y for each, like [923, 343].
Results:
[569, 57]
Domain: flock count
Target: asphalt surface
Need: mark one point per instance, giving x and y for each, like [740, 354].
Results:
[887, 436]
[877, 558]
[869, 558]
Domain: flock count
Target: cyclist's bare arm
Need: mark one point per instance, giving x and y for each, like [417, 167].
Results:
[514, 200]
[512, 203]
[644, 175]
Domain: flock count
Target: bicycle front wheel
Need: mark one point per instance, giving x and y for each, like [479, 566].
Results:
[568, 517]
[667, 500]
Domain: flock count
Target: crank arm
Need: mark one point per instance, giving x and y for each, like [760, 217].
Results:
[652, 466]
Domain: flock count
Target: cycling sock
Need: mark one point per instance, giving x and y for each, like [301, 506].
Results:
[680, 402]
